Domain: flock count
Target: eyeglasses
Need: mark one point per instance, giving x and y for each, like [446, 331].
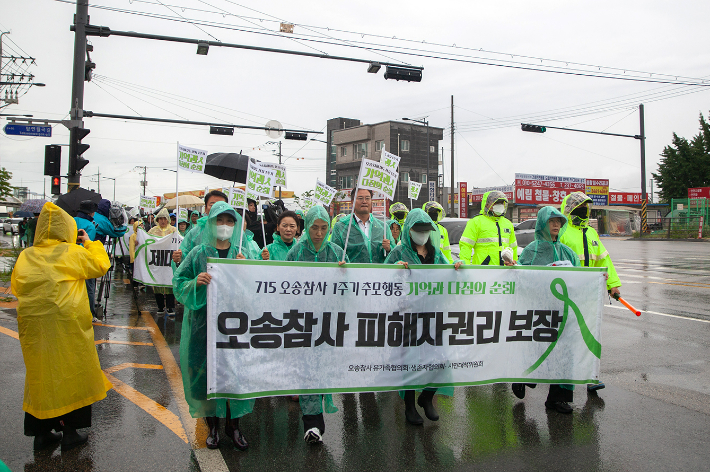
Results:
[363, 199]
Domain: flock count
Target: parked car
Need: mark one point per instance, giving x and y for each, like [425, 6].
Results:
[455, 227]
[525, 232]
[11, 225]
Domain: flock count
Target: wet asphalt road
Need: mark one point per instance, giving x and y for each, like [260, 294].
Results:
[654, 414]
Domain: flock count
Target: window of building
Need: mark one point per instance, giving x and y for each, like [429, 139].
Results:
[360, 151]
[404, 145]
[432, 149]
[405, 176]
[423, 178]
[343, 151]
[379, 145]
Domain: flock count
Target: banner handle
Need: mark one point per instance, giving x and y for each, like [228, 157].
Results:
[241, 236]
[263, 231]
[350, 223]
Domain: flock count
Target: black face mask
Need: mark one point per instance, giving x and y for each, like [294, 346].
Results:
[399, 215]
[434, 215]
[580, 212]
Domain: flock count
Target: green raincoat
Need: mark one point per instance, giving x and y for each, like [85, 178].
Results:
[405, 252]
[545, 251]
[362, 248]
[193, 338]
[395, 222]
[304, 251]
[187, 228]
[278, 249]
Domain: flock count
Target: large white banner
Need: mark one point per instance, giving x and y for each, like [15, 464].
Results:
[124, 242]
[278, 328]
[153, 257]
[191, 159]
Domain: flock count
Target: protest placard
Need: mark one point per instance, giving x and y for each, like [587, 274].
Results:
[182, 214]
[280, 178]
[414, 188]
[191, 159]
[377, 177]
[323, 193]
[260, 181]
[153, 257]
[371, 327]
[389, 160]
[148, 203]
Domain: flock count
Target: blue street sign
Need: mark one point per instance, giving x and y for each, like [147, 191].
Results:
[29, 130]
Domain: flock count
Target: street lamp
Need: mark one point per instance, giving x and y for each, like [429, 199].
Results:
[425, 122]
[114, 186]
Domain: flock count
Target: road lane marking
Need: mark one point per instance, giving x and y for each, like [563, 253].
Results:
[685, 285]
[129, 343]
[196, 430]
[154, 409]
[660, 314]
[9, 332]
[144, 328]
[127, 365]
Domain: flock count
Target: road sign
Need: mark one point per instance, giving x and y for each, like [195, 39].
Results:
[432, 190]
[28, 130]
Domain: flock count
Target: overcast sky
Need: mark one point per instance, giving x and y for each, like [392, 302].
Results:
[168, 80]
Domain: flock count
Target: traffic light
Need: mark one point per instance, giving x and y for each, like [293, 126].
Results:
[532, 128]
[297, 136]
[403, 73]
[76, 149]
[52, 159]
[56, 185]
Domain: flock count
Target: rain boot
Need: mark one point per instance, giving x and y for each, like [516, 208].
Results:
[72, 438]
[231, 429]
[46, 440]
[424, 401]
[212, 440]
[410, 409]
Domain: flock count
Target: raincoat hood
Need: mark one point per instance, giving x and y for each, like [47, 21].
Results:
[299, 212]
[209, 233]
[572, 201]
[104, 207]
[54, 226]
[315, 213]
[136, 225]
[163, 213]
[544, 250]
[395, 222]
[489, 199]
[405, 251]
[428, 206]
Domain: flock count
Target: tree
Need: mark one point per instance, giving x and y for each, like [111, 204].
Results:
[684, 164]
[5, 188]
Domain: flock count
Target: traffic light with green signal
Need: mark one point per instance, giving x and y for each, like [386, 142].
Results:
[532, 128]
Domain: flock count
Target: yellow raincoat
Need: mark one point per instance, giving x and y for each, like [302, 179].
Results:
[54, 319]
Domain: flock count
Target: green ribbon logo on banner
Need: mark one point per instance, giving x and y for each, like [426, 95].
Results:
[593, 345]
[147, 243]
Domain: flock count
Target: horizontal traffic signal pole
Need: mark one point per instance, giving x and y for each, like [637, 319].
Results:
[541, 129]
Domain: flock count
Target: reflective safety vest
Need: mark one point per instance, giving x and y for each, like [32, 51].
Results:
[444, 244]
[485, 237]
[585, 241]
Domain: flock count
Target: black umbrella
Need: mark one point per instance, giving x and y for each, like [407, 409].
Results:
[227, 166]
[70, 202]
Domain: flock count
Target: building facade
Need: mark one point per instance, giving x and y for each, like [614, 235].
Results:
[349, 142]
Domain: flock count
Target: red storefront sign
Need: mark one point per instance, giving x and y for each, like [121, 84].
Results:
[545, 189]
[699, 192]
[624, 198]
[463, 200]
[476, 194]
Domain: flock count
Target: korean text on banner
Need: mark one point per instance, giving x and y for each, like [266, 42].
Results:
[191, 159]
[389, 160]
[153, 257]
[307, 203]
[368, 328]
[414, 189]
[148, 203]
[259, 181]
[182, 214]
[237, 197]
[324, 193]
[280, 169]
[375, 176]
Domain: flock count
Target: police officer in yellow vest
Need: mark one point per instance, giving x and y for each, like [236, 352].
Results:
[584, 241]
[399, 212]
[489, 233]
[436, 213]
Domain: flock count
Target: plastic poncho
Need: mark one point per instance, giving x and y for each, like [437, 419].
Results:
[395, 241]
[543, 250]
[584, 240]
[304, 250]
[486, 235]
[193, 338]
[187, 228]
[397, 207]
[405, 252]
[278, 249]
[363, 248]
[54, 319]
[132, 240]
[444, 244]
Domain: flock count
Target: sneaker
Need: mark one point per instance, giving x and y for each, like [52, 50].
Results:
[96, 320]
[171, 312]
[595, 387]
[560, 407]
[313, 436]
[160, 312]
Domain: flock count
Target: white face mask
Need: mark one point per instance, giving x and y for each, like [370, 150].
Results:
[418, 238]
[498, 208]
[224, 232]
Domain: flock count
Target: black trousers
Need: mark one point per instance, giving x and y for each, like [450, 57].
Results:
[559, 394]
[76, 419]
[162, 300]
[314, 421]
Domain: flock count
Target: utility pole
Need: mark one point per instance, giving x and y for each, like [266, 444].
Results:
[453, 181]
[81, 19]
[644, 197]
[279, 163]
[143, 183]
